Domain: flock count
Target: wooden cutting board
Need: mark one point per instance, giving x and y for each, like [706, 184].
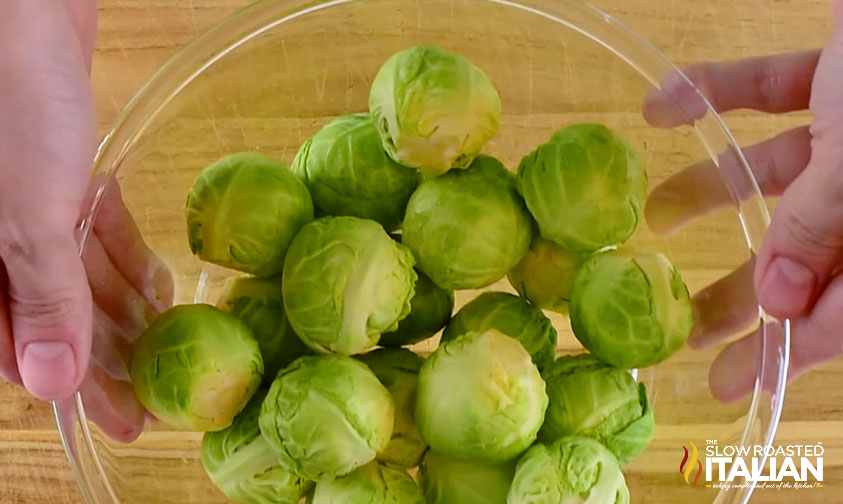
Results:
[136, 36]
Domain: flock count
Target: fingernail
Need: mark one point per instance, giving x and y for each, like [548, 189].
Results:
[786, 288]
[675, 103]
[161, 295]
[48, 369]
[733, 372]
[139, 314]
[837, 11]
[665, 210]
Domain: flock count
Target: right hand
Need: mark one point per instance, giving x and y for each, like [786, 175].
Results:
[797, 272]
[56, 309]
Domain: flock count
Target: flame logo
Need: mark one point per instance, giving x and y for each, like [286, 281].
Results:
[686, 467]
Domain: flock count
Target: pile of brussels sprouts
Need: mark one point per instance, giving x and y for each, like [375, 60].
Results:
[300, 376]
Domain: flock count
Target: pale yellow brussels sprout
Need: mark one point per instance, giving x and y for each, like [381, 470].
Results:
[398, 370]
[195, 367]
[434, 110]
[546, 274]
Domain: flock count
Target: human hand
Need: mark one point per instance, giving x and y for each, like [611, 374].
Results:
[48, 310]
[796, 274]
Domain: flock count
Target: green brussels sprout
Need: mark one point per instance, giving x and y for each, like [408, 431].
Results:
[196, 367]
[398, 370]
[245, 467]
[511, 315]
[630, 309]
[480, 398]
[585, 187]
[468, 228]
[257, 302]
[589, 398]
[327, 415]
[244, 210]
[373, 483]
[348, 173]
[434, 110]
[345, 282]
[545, 275]
[572, 469]
[446, 480]
[430, 310]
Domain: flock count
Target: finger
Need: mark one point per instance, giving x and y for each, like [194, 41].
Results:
[112, 405]
[780, 83]
[112, 293]
[110, 347]
[735, 371]
[725, 308]
[123, 243]
[837, 11]
[50, 306]
[827, 96]
[805, 237]
[707, 186]
[8, 364]
[815, 339]
[83, 16]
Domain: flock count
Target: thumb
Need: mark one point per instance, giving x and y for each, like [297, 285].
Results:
[50, 306]
[805, 239]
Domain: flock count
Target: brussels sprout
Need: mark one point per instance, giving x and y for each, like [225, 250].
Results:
[589, 398]
[434, 110]
[398, 370]
[511, 315]
[573, 469]
[257, 303]
[244, 210]
[630, 309]
[545, 275]
[445, 480]
[326, 416]
[480, 398]
[430, 310]
[245, 467]
[468, 228]
[348, 173]
[195, 367]
[585, 187]
[373, 483]
[345, 282]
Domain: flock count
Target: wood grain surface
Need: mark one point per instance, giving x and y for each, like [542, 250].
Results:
[137, 36]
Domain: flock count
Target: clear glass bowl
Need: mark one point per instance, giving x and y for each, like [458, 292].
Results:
[271, 75]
